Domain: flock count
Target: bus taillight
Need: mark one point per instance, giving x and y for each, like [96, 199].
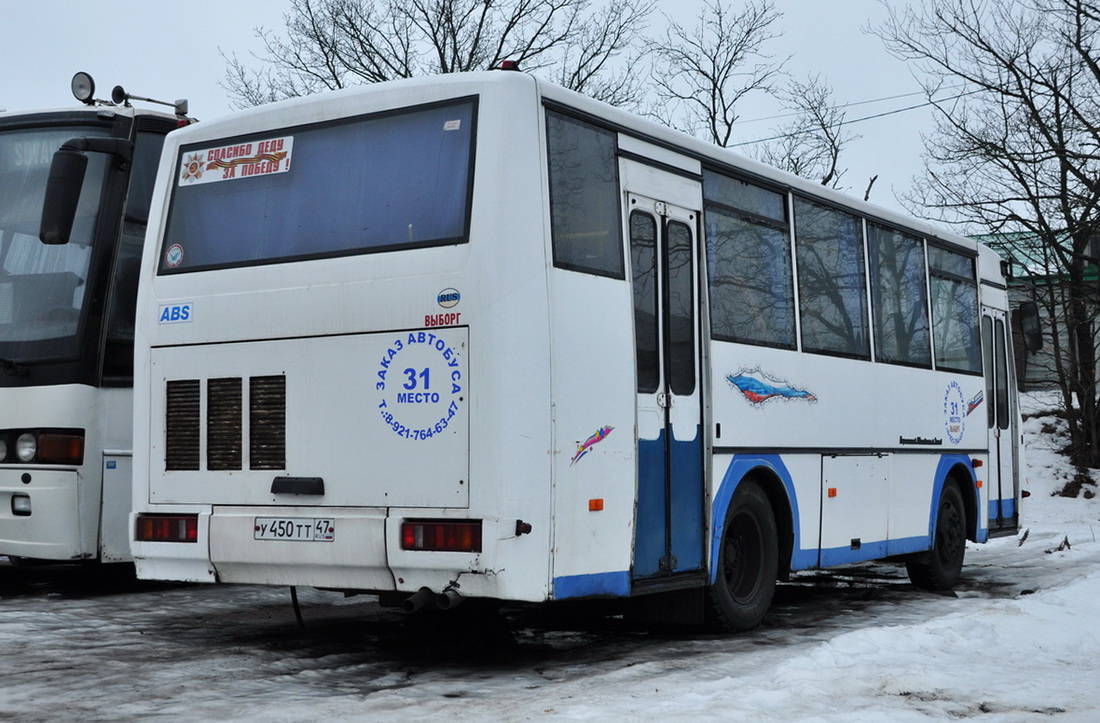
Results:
[441, 535]
[60, 448]
[166, 528]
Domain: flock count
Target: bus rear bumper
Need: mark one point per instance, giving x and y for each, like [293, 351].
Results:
[318, 547]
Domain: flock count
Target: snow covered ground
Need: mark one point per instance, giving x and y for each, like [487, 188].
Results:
[1019, 640]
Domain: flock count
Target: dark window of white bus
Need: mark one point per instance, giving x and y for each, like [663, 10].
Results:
[899, 297]
[43, 289]
[954, 310]
[395, 180]
[748, 262]
[832, 289]
[584, 197]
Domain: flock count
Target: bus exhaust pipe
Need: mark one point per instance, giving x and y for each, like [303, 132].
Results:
[417, 600]
[448, 599]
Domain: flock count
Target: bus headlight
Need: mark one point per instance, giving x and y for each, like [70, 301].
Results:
[3, 449]
[26, 447]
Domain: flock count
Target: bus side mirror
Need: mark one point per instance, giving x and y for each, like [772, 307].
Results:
[1030, 326]
[67, 180]
[62, 195]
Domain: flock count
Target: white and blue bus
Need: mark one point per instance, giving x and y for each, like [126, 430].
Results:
[67, 325]
[477, 336]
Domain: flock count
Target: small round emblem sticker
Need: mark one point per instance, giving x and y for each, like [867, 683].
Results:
[448, 298]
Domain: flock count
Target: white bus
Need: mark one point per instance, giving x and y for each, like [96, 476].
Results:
[479, 336]
[67, 325]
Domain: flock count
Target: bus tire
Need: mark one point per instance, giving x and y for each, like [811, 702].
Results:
[941, 567]
[748, 557]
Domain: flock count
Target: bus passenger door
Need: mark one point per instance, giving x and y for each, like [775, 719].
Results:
[1002, 476]
[664, 261]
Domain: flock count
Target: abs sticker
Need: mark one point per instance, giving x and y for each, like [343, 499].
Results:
[421, 382]
[175, 314]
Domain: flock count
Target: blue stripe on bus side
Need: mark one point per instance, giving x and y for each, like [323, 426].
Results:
[1006, 508]
[603, 584]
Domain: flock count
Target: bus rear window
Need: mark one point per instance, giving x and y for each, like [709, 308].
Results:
[376, 183]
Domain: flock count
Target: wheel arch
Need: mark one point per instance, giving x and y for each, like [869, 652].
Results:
[769, 472]
[957, 470]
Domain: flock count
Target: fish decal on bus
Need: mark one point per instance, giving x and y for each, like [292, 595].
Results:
[759, 390]
[586, 446]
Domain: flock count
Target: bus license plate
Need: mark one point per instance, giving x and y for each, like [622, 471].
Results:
[298, 529]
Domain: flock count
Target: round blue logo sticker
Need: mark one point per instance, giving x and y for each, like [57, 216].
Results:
[954, 412]
[420, 381]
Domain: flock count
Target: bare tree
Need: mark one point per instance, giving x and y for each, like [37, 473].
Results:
[700, 74]
[330, 44]
[1016, 152]
[810, 145]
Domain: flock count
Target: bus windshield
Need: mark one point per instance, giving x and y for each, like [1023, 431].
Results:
[372, 183]
[42, 288]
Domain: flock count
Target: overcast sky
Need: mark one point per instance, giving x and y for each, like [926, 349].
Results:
[171, 50]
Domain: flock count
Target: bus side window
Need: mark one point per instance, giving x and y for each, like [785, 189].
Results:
[748, 263]
[954, 310]
[584, 197]
[899, 297]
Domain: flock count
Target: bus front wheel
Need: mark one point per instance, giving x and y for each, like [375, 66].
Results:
[941, 567]
[747, 561]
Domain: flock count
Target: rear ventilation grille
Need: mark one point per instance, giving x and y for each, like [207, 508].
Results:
[225, 424]
[182, 425]
[267, 422]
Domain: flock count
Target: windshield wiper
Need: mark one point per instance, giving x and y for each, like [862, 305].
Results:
[13, 368]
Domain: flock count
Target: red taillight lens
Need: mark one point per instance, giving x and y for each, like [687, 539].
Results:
[60, 448]
[166, 528]
[441, 535]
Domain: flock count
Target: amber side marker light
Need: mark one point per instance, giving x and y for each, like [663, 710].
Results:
[441, 535]
[166, 528]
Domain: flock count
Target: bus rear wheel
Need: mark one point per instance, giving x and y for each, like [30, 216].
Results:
[747, 561]
[941, 567]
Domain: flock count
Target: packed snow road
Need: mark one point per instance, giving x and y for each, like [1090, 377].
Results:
[81, 645]
[1018, 640]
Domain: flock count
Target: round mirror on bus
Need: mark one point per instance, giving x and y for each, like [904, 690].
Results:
[83, 88]
[1030, 325]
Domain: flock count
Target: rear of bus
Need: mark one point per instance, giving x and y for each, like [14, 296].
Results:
[341, 320]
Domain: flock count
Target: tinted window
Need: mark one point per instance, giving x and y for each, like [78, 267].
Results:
[379, 183]
[831, 286]
[681, 309]
[954, 310]
[748, 263]
[746, 196]
[643, 262]
[900, 297]
[749, 272]
[43, 289]
[584, 197]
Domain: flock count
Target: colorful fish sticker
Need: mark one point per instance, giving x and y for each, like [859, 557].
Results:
[586, 446]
